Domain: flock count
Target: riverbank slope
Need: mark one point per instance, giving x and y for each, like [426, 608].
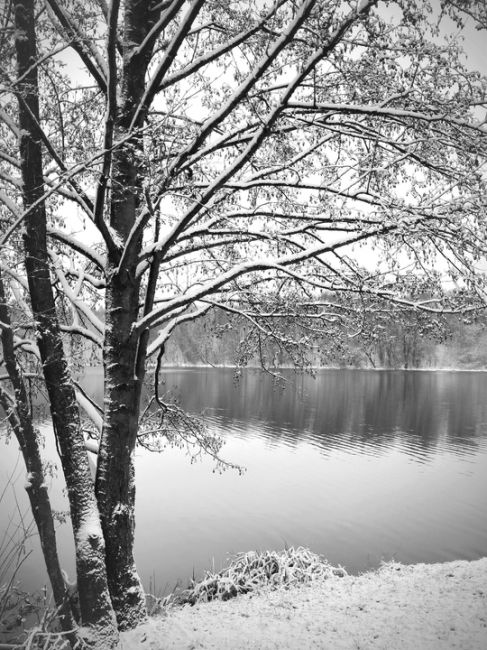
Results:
[398, 607]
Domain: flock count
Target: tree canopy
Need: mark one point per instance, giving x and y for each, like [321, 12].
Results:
[287, 162]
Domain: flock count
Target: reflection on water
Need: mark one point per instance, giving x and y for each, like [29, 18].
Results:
[363, 411]
[357, 465]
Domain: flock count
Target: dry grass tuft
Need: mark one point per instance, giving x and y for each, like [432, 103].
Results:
[252, 571]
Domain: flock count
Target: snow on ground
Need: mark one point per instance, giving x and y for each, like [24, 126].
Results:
[398, 607]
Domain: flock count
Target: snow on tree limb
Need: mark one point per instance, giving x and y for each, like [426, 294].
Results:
[77, 302]
[165, 333]
[92, 410]
[80, 43]
[380, 110]
[75, 244]
[167, 59]
[208, 57]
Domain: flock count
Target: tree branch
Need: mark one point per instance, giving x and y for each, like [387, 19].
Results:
[167, 60]
[82, 45]
[110, 115]
[262, 66]
[205, 59]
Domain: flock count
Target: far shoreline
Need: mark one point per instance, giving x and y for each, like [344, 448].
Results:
[209, 366]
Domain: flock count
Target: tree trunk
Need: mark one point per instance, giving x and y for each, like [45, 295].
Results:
[115, 481]
[20, 420]
[96, 609]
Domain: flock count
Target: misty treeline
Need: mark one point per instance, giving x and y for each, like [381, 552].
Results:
[411, 341]
[362, 337]
[159, 160]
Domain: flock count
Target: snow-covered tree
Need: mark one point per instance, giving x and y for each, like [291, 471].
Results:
[163, 158]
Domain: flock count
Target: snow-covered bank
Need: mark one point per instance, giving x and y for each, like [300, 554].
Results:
[417, 607]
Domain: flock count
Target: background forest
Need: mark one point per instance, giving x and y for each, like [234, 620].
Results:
[403, 339]
[455, 343]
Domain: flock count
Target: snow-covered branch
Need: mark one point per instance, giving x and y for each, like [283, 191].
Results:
[87, 251]
[165, 333]
[111, 111]
[263, 264]
[79, 304]
[379, 110]
[168, 58]
[214, 55]
[80, 42]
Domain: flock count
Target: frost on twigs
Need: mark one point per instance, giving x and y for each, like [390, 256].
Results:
[46, 635]
[165, 424]
[252, 571]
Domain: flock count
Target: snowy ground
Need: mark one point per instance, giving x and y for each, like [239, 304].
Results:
[419, 607]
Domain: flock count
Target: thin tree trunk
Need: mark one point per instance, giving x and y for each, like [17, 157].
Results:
[20, 420]
[95, 605]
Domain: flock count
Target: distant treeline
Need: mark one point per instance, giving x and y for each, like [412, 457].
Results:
[411, 341]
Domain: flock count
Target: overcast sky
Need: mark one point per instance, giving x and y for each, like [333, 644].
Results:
[474, 44]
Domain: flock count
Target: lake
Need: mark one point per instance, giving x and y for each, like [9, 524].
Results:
[360, 466]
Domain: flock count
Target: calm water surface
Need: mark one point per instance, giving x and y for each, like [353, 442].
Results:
[360, 466]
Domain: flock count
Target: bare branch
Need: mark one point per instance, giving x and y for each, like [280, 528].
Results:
[79, 247]
[167, 59]
[83, 45]
[169, 11]
[205, 59]
[270, 120]
[380, 110]
[164, 334]
[210, 125]
[110, 115]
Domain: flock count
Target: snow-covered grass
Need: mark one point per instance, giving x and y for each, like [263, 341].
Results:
[252, 571]
[433, 606]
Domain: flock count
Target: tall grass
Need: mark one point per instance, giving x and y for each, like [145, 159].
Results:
[15, 604]
[27, 620]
